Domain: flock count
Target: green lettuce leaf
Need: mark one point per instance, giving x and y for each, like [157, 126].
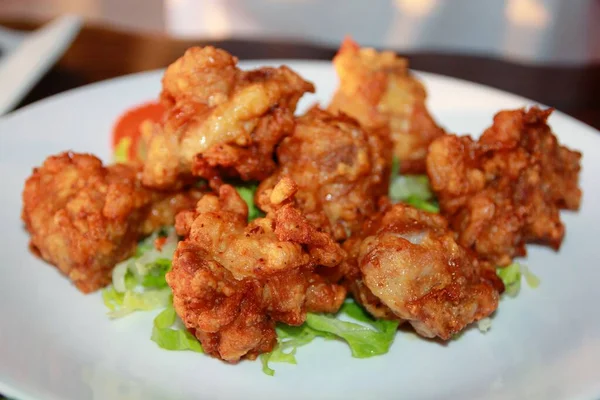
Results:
[132, 301]
[172, 339]
[130, 281]
[411, 189]
[425, 205]
[139, 282]
[122, 277]
[363, 341]
[532, 280]
[406, 186]
[246, 192]
[511, 277]
[289, 338]
[155, 278]
[112, 299]
[142, 286]
[143, 247]
[264, 360]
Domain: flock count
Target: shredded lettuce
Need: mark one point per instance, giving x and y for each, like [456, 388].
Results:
[406, 186]
[363, 341]
[511, 277]
[169, 338]
[246, 192]
[118, 276]
[138, 283]
[532, 280]
[425, 205]
[143, 247]
[366, 339]
[132, 301]
[289, 338]
[113, 300]
[155, 278]
[264, 360]
[411, 189]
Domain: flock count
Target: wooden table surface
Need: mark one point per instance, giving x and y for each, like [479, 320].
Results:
[99, 53]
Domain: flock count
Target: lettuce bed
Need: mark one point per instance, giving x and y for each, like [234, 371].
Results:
[139, 284]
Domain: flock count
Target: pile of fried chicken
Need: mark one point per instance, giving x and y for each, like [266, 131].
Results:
[329, 231]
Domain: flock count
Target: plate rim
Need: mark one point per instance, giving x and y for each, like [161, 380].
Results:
[283, 61]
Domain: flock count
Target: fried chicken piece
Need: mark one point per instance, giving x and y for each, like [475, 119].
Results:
[341, 171]
[349, 275]
[409, 267]
[221, 121]
[84, 217]
[506, 189]
[165, 206]
[379, 91]
[233, 280]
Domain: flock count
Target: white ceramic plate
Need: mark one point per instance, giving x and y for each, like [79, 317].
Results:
[56, 343]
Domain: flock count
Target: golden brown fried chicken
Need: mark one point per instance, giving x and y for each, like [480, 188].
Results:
[233, 280]
[84, 217]
[221, 121]
[506, 189]
[378, 90]
[340, 169]
[349, 275]
[409, 267]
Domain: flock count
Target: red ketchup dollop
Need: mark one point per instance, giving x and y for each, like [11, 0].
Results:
[128, 125]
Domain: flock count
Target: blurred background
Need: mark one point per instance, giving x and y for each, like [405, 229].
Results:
[547, 50]
[531, 31]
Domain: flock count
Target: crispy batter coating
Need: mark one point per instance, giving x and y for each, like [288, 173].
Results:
[84, 217]
[409, 267]
[221, 121]
[233, 280]
[349, 275]
[378, 90]
[506, 189]
[341, 171]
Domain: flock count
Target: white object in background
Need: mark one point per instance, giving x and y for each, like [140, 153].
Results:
[29, 56]
[533, 31]
[56, 343]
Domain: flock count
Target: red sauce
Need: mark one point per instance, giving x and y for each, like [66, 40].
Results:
[159, 243]
[128, 124]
